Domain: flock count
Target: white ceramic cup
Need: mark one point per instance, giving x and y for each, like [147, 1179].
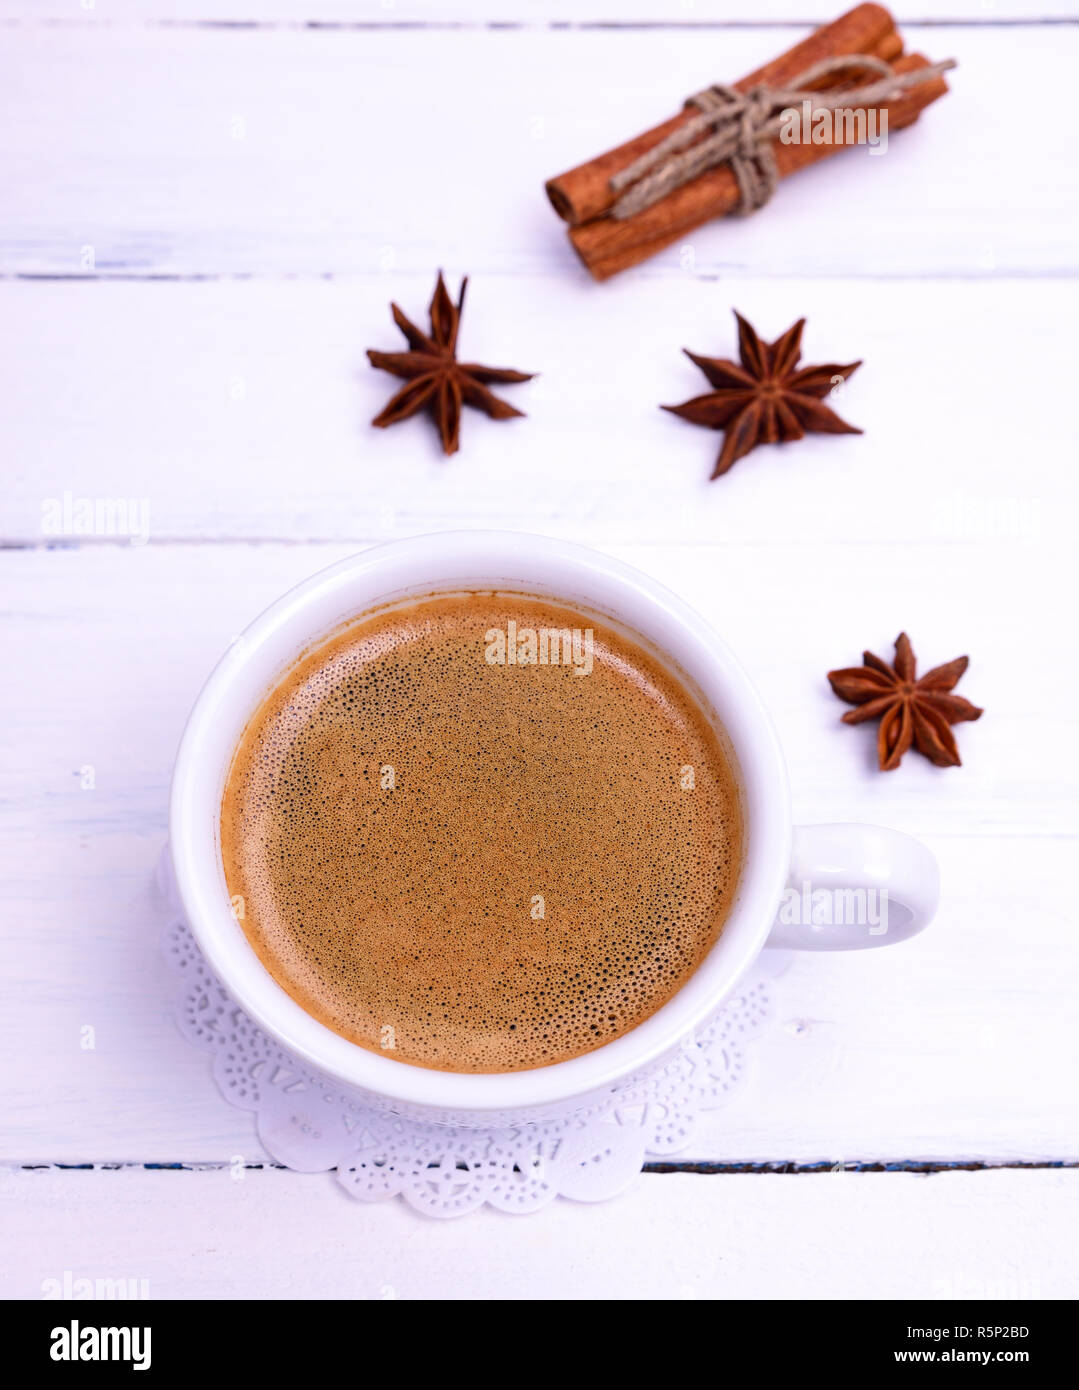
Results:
[814, 858]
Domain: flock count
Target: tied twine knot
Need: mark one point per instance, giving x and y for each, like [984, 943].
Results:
[737, 128]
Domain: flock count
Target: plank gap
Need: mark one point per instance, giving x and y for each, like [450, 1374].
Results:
[518, 26]
[702, 1168]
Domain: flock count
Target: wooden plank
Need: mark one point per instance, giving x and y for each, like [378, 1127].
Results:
[241, 410]
[1003, 1235]
[385, 13]
[286, 151]
[140, 628]
[953, 1046]
[930, 1051]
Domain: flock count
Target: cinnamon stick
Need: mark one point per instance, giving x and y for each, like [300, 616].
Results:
[607, 246]
[889, 48]
[584, 193]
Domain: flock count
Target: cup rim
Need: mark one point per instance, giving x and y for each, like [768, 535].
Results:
[197, 786]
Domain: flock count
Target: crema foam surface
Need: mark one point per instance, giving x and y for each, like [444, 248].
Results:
[462, 856]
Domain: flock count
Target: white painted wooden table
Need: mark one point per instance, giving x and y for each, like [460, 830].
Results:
[204, 221]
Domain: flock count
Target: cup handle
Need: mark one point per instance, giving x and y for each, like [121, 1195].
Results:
[855, 886]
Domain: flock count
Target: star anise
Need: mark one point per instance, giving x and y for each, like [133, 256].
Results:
[436, 381]
[765, 400]
[911, 710]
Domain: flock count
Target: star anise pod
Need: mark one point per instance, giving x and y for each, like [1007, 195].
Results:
[436, 380]
[765, 400]
[911, 710]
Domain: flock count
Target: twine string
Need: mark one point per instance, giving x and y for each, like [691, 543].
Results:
[738, 128]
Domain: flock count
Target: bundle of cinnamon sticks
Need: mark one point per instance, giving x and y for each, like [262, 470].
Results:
[584, 198]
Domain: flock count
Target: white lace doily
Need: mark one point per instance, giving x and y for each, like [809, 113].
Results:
[311, 1125]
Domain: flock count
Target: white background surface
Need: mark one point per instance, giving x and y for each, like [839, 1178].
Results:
[203, 225]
